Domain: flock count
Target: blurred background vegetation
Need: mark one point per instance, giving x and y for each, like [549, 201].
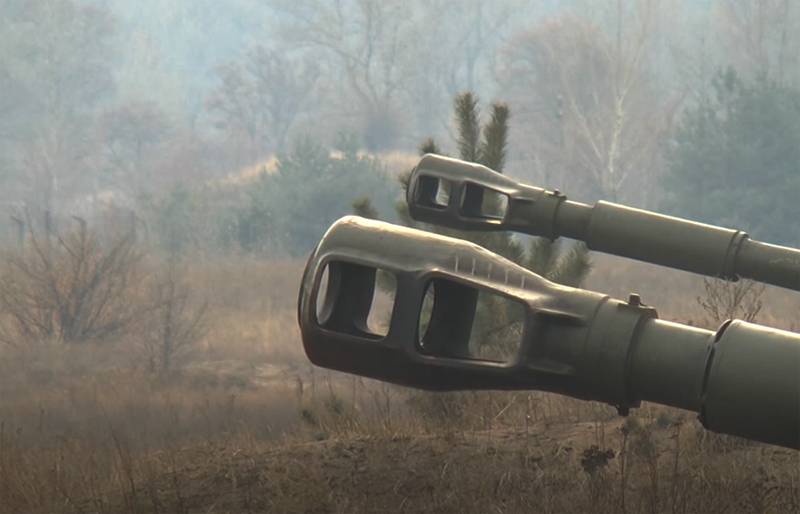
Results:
[249, 125]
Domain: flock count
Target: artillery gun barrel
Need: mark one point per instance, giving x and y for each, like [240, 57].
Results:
[469, 196]
[743, 379]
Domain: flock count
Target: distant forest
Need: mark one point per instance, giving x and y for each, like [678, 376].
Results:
[207, 122]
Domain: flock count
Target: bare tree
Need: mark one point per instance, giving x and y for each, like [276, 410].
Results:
[761, 37]
[462, 50]
[261, 97]
[56, 54]
[178, 322]
[585, 97]
[367, 40]
[130, 137]
[457, 55]
[723, 300]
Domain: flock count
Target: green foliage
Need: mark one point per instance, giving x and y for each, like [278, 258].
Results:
[487, 145]
[429, 146]
[363, 207]
[195, 219]
[497, 321]
[735, 160]
[284, 211]
[175, 221]
[495, 137]
[291, 208]
[569, 266]
[469, 130]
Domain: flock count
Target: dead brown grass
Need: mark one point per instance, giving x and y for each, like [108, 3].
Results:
[246, 425]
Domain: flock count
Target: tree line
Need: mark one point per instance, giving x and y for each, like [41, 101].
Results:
[669, 104]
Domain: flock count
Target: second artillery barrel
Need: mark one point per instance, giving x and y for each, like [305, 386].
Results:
[474, 193]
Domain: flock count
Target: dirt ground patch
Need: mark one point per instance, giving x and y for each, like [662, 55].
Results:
[546, 469]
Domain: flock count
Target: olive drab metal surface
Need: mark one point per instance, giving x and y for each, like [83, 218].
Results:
[605, 227]
[743, 379]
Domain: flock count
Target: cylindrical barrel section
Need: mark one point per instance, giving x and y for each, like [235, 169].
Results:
[744, 380]
[768, 263]
[668, 364]
[664, 240]
[572, 219]
[753, 384]
[676, 243]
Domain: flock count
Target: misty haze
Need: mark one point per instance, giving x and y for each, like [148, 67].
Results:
[167, 167]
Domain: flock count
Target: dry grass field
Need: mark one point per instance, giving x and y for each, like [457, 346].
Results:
[244, 424]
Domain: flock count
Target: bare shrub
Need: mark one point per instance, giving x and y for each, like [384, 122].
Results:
[723, 300]
[595, 460]
[69, 288]
[178, 322]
